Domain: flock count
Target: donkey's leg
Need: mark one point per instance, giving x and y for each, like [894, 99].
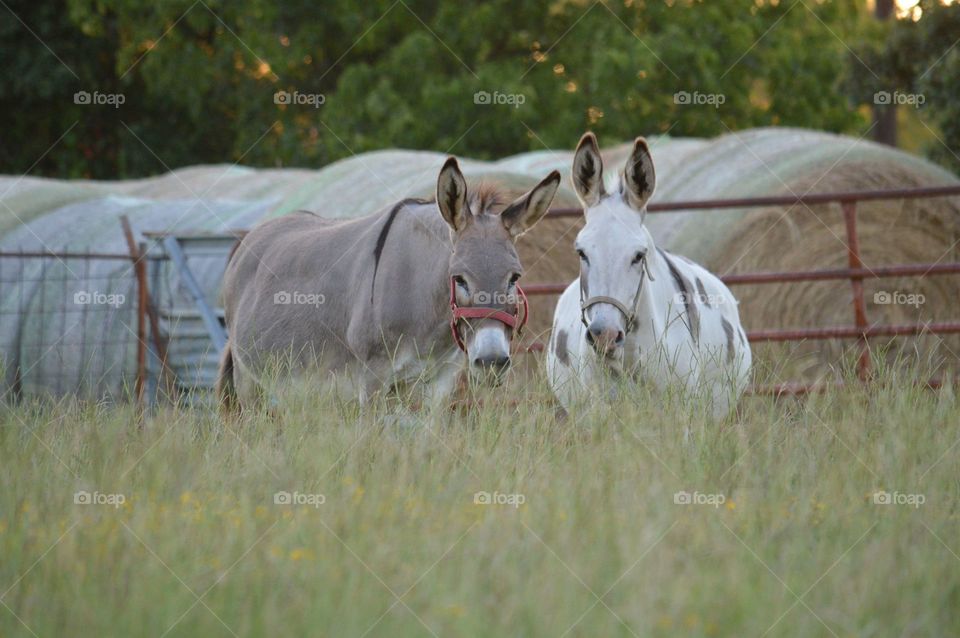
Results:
[370, 379]
[249, 392]
[440, 389]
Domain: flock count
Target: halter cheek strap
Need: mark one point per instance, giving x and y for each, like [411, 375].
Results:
[629, 313]
[515, 321]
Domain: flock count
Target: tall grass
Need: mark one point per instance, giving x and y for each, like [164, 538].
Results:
[584, 537]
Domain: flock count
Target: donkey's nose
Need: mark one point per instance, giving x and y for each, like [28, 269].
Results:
[495, 362]
[605, 339]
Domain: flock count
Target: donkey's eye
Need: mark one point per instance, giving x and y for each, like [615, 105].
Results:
[583, 256]
[640, 256]
[460, 281]
[514, 278]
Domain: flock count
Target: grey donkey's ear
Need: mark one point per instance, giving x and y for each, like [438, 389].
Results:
[452, 195]
[587, 172]
[524, 213]
[639, 179]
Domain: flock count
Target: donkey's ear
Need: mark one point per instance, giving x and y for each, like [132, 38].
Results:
[523, 214]
[588, 170]
[452, 195]
[639, 179]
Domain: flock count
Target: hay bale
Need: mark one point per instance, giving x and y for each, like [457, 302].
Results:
[82, 215]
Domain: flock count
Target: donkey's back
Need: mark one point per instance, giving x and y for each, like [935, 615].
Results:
[288, 300]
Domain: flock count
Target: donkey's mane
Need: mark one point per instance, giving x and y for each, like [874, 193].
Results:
[481, 198]
[485, 197]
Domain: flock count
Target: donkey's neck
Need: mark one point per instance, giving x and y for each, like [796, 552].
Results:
[410, 293]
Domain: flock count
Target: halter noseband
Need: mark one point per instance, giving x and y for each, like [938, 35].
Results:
[514, 321]
[630, 314]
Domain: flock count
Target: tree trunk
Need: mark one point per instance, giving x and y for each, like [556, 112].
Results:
[884, 115]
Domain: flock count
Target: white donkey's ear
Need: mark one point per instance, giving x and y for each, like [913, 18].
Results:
[524, 213]
[452, 195]
[639, 179]
[587, 172]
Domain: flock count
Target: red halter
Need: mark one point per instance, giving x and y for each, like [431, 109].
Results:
[484, 312]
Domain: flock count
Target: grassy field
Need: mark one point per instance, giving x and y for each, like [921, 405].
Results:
[630, 520]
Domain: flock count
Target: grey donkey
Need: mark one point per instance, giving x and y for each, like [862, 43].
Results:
[367, 303]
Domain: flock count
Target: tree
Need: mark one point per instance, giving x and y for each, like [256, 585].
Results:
[201, 82]
[915, 63]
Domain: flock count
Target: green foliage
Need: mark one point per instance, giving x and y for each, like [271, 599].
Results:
[199, 79]
[919, 61]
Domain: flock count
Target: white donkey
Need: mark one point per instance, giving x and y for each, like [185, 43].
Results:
[637, 311]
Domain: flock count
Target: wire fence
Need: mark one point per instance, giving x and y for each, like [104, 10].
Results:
[68, 324]
[98, 325]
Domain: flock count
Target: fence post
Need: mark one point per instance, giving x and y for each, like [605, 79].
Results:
[142, 292]
[856, 283]
[137, 253]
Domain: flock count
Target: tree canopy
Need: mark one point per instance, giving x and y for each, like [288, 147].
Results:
[293, 83]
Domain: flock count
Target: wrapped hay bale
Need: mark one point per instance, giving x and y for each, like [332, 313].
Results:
[82, 215]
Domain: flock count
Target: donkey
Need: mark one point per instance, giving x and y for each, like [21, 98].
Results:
[637, 311]
[370, 302]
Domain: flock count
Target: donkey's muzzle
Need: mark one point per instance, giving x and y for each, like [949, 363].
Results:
[495, 363]
[606, 340]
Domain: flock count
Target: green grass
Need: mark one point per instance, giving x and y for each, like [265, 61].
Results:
[598, 548]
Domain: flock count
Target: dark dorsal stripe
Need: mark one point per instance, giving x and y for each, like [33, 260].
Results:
[728, 329]
[685, 288]
[382, 238]
[560, 347]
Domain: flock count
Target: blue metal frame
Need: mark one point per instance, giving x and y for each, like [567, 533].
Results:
[217, 333]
